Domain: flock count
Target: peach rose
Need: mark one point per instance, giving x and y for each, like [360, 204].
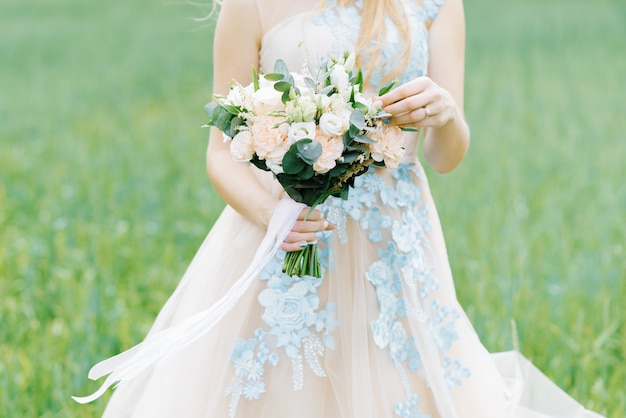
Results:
[332, 148]
[241, 147]
[270, 138]
[389, 146]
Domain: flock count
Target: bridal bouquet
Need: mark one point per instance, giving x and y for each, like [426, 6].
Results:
[315, 130]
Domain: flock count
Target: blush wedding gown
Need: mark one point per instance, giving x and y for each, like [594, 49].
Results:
[380, 335]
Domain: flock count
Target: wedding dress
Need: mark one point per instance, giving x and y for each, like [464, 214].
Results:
[380, 335]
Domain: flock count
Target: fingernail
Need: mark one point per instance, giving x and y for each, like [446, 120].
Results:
[303, 245]
[387, 121]
[325, 224]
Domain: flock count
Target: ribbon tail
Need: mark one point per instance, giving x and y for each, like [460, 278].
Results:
[134, 361]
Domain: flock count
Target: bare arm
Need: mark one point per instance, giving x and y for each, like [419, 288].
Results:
[236, 50]
[447, 134]
[446, 146]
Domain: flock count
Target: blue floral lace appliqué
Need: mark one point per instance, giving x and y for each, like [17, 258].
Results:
[295, 324]
[403, 265]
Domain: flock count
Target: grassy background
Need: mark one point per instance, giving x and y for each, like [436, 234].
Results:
[104, 200]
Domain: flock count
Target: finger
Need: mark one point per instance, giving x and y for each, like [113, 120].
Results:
[421, 116]
[295, 237]
[297, 245]
[408, 104]
[406, 90]
[310, 226]
[310, 215]
[417, 116]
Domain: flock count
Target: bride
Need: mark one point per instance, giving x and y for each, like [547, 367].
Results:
[381, 334]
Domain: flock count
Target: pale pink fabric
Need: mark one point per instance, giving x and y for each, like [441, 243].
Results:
[361, 381]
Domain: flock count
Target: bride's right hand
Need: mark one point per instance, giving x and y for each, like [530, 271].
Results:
[305, 230]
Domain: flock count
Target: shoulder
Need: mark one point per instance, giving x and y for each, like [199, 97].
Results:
[444, 9]
[236, 42]
[238, 19]
[246, 12]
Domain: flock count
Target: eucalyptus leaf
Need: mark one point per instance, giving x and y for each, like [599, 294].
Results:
[292, 164]
[210, 109]
[353, 131]
[309, 151]
[261, 164]
[327, 91]
[285, 97]
[280, 67]
[357, 119]
[235, 123]
[223, 121]
[310, 83]
[306, 173]
[274, 76]
[292, 192]
[363, 139]
[282, 86]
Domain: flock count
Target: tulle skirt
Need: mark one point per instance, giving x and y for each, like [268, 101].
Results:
[381, 334]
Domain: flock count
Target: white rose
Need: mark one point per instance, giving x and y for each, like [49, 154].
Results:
[331, 124]
[339, 107]
[275, 166]
[301, 130]
[267, 100]
[241, 147]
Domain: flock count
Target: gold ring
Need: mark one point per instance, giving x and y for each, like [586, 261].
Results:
[427, 110]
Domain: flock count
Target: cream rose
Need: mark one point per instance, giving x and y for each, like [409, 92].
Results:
[389, 146]
[270, 137]
[241, 147]
[332, 148]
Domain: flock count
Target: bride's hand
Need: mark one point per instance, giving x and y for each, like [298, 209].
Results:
[305, 229]
[419, 103]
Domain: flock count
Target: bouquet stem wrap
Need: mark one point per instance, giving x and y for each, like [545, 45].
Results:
[131, 363]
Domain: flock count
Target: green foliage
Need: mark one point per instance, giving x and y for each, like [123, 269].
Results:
[103, 197]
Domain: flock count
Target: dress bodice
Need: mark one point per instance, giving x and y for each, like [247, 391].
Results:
[308, 32]
[303, 31]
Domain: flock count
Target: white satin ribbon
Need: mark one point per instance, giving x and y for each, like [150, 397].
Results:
[134, 361]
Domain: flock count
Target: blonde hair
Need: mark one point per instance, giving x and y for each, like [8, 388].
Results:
[373, 33]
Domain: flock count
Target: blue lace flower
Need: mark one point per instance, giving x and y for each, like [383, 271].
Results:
[409, 408]
[253, 389]
[289, 314]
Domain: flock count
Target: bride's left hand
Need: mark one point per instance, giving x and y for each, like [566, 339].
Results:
[419, 103]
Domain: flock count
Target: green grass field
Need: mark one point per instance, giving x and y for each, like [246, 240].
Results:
[104, 197]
